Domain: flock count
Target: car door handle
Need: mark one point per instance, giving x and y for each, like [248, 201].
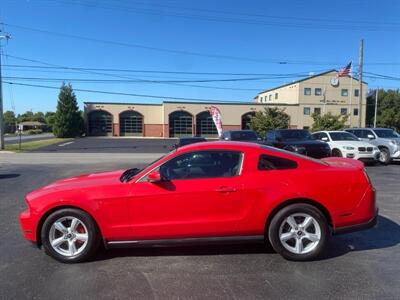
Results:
[225, 189]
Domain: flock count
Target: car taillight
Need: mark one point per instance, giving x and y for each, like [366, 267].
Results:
[367, 177]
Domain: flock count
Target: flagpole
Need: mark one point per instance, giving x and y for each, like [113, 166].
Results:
[351, 95]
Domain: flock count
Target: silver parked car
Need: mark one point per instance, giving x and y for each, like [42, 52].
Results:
[386, 139]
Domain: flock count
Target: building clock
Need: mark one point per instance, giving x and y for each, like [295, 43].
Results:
[334, 81]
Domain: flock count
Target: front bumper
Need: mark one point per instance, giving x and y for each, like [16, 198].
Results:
[28, 225]
[365, 156]
[396, 154]
[358, 227]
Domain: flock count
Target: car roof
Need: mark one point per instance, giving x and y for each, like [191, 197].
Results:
[329, 131]
[229, 145]
[372, 128]
[240, 130]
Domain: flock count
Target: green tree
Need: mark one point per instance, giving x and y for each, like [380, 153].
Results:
[68, 120]
[328, 122]
[27, 116]
[389, 109]
[9, 121]
[39, 116]
[50, 118]
[270, 118]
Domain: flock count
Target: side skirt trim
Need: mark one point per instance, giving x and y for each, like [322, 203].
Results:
[186, 241]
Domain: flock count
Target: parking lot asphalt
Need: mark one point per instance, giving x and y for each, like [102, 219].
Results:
[111, 145]
[363, 265]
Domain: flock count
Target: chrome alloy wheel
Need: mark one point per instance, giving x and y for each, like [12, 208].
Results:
[68, 236]
[300, 233]
[383, 157]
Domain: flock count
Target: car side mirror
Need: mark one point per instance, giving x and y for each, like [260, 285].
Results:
[370, 136]
[154, 177]
[324, 139]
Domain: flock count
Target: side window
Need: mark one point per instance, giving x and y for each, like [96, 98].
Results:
[367, 133]
[320, 136]
[270, 135]
[202, 164]
[357, 133]
[316, 136]
[270, 162]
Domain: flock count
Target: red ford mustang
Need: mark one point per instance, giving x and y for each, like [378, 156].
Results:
[205, 192]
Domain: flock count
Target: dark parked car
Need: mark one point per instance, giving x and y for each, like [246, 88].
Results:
[299, 141]
[241, 135]
[189, 140]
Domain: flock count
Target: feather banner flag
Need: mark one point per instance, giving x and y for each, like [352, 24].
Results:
[216, 116]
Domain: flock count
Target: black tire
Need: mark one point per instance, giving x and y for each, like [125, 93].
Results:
[384, 157]
[278, 222]
[337, 153]
[88, 228]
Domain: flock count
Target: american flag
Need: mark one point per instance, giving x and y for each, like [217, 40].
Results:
[216, 116]
[346, 71]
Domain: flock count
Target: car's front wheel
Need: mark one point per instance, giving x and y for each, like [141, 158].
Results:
[69, 235]
[299, 232]
[384, 156]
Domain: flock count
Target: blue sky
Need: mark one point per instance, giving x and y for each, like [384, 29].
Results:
[249, 37]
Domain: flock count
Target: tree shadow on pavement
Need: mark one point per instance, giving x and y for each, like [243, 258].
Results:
[386, 234]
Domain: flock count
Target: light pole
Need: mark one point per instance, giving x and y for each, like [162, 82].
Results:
[6, 37]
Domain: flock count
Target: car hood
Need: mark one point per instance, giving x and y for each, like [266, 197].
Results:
[78, 182]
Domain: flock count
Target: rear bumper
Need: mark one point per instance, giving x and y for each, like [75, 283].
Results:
[358, 227]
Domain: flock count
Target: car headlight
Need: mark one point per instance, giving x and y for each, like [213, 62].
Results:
[375, 148]
[348, 148]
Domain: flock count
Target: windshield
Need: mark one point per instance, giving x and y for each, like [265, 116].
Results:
[342, 136]
[386, 133]
[292, 134]
[243, 136]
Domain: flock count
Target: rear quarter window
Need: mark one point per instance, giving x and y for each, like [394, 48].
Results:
[270, 162]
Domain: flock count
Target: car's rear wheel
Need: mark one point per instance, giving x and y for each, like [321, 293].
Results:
[70, 235]
[299, 232]
[384, 156]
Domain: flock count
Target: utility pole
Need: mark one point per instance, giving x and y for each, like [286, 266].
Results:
[376, 106]
[360, 75]
[6, 37]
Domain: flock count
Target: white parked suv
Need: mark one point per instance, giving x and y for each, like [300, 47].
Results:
[386, 139]
[345, 144]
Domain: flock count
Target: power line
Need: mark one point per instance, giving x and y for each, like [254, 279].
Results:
[253, 20]
[157, 71]
[182, 52]
[190, 53]
[128, 94]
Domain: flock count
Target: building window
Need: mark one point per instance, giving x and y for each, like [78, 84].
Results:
[269, 97]
[261, 99]
[306, 111]
[355, 112]
[307, 91]
[317, 110]
[318, 92]
[345, 92]
[276, 95]
[343, 111]
[356, 92]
